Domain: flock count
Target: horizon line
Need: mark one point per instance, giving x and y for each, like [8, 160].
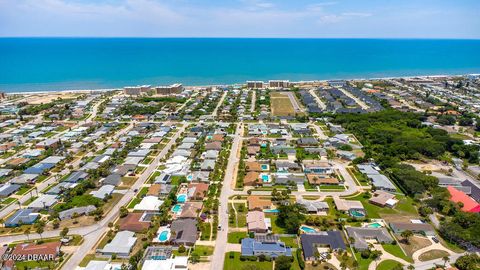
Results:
[233, 37]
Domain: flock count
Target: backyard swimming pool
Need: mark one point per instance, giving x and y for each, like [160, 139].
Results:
[271, 211]
[375, 225]
[264, 167]
[307, 229]
[177, 209]
[358, 214]
[164, 236]
[181, 198]
[265, 178]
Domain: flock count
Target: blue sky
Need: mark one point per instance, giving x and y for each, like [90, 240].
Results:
[242, 18]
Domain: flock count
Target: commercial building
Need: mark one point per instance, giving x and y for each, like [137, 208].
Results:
[169, 89]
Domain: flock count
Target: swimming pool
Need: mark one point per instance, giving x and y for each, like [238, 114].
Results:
[307, 229]
[189, 177]
[181, 198]
[271, 211]
[355, 213]
[164, 236]
[264, 167]
[375, 225]
[177, 209]
[265, 178]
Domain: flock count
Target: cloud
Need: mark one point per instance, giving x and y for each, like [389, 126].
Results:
[245, 18]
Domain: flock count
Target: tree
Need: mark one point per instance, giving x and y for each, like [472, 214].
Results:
[468, 262]
[411, 267]
[194, 258]
[283, 263]
[375, 255]
[64, 232]
[291, 217]
[445, 260]
[407, 234]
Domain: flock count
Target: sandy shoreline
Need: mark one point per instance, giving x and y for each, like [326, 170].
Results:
[76, 91]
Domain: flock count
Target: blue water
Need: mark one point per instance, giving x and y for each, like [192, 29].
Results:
[307, 229]
[34, 64]
[177, 209]
[163, 236]
[181, 198]
[375, 225]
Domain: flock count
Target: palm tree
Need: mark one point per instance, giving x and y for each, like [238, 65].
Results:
[407, 234]
[27, 232]
[445, 260]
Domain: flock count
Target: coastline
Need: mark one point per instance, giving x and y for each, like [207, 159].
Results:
[76, 91]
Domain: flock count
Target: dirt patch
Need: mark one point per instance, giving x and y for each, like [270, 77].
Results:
[281, 105]
[416, 243]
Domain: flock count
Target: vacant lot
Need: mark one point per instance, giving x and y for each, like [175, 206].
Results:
[281, 105]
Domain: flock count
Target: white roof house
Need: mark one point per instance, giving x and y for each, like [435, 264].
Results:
[179, 262]
[121, 244]
[43, 201]
[103, 191]
[149, 203]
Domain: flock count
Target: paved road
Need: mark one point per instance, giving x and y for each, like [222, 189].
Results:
[56, 176]
[254, 97]
[294, 102]
[220, 102]
[93, 233]
[350, 95]
[218, 256]
[319, 101]
[94, 236]
[319, 131]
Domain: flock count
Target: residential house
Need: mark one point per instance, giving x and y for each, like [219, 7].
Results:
[134, 222]
[184, 231]
[22, 217]
[362, 236]
[121, 244]
[252, 247]
[314, 207]
[414, 226]
[326, 239]
[382, 199]
[258, 203]
[256, 222]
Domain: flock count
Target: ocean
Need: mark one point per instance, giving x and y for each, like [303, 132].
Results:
[46, 64]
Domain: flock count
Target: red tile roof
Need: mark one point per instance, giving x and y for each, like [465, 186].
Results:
[469, 204]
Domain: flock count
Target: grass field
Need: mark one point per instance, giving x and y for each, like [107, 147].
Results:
[281, 105]
[432, 255]
[235, 263]
[387, 265]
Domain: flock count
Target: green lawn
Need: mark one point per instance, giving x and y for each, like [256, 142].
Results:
[152, 177]
[290, 241]
[403, 207]
[275, 228]
[176, 179]
[205, 228]
[133, 202]
[396, 251]
[8, 200]
[23, 190]
[203, 250]
[362, 263]
[21, 265]
[387, 265]
[236, 264]
[236, 237]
